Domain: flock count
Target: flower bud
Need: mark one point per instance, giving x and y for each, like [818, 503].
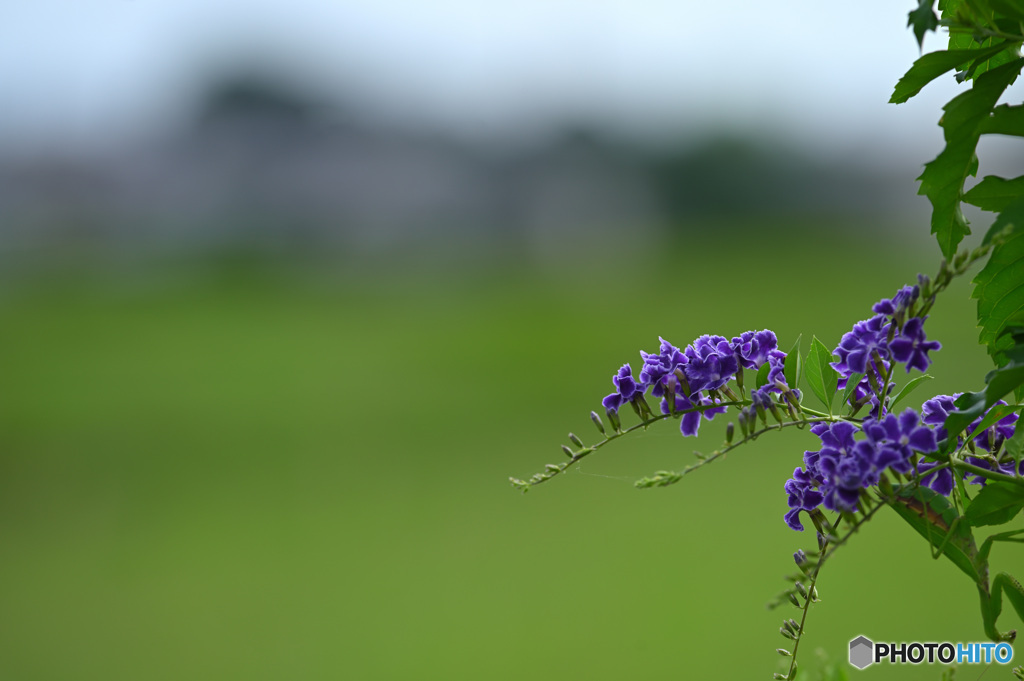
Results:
[684, 385]
[597, 421]
[568, 452]
[802, 589]
[783, 652]
[553, 468]
[575, 440]
[793, 599]
[613, 417]
[730, 430]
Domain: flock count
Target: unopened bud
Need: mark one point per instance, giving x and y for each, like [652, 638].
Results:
[775, 411]
[761, 414]
[553, 468]
[684, 385]
[779, 677]
[739, 377]
[597, 422]
[568, 452]
[793, 599]
[783, 652]
[793, 626]
[785, 632]
[613, 417]
[802, 589]
[730, 430]
[575, 440]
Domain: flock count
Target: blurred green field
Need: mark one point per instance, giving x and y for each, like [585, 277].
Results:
[262, 472]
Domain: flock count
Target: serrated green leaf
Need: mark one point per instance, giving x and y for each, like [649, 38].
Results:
[931, 66]
[851, 385]
[923, 19]
[822, 378]
[762, 375]
[999, 286]
[943, 178]
[970, 406]
[932, 516]
[1005, 120]
[995, 194]
[997, 413]
[793, 367]
[907, 389]
[997, 503]
[957, 14]
[1015, 444]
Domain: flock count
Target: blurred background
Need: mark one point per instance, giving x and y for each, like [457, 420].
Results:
[289, 290]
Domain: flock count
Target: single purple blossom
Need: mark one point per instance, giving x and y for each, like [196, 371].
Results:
[711, 362]
[910, 346]
[858, 346]
[752, 347]
[626, 388]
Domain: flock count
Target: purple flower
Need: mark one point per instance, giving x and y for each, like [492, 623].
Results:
[911, 347]
[895, 439]
[858, 346]
[752, 347]
[711, 362]
[626, 388]
[689, 423]
[659, 370]
[802, 497]
[903, 299]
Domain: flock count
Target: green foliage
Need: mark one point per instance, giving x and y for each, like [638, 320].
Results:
[943, 178]
[907, 389]
[998, 286]
[923, 19]
[996, 504]
[934, 518]
[995, 194]
[1005, 120]
[821, 377]
[934, 64]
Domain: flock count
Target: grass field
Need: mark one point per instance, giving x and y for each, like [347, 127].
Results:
[266, 473]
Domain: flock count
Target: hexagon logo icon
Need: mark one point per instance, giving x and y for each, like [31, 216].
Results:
[862, 652]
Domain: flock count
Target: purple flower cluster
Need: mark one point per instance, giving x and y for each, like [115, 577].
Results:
[836, 474]
[990, 441]
[688, 380]
[892, 335]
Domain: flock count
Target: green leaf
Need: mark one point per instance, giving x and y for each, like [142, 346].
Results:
[995, 194]
[923, 19]
[932, 516]
[907, 389]
[996, 413]
[1005, 120]
[943, 178]
[999, 286]
[762, 375]
[958, 14]
[931, 66]
[851, 384]
[997, 503]
[1014, 9]
[972, 405]
[1015, 444]
[793, 368]
[821, 377]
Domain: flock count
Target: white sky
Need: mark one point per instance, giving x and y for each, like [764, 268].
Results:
[80, 73]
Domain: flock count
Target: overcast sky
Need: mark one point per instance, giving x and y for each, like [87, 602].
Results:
[81, 73]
